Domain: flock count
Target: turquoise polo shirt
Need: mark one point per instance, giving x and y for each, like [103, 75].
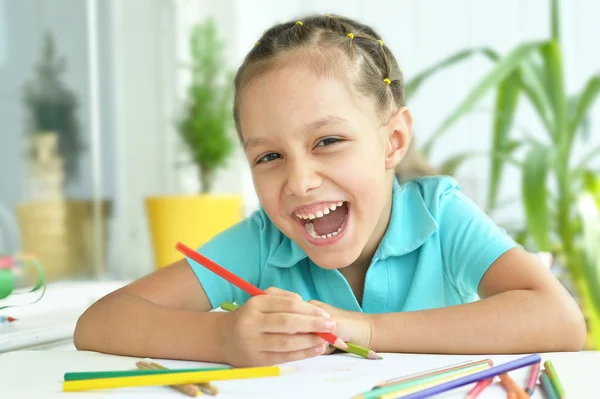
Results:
[437, 247]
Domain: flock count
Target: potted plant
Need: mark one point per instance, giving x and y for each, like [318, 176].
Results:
[64, 244]
[553, 221]
[204, 128]
[55, 140]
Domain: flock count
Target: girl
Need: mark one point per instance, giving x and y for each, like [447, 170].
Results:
[394, 266]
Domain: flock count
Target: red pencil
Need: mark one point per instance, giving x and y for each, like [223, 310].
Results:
[534, 374]
[478, 388]
[243, 285]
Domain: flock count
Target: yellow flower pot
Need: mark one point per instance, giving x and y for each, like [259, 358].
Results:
[193, 220]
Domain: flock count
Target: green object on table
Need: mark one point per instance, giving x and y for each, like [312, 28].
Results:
[7, 283]
[547, 386]
[357, 350]
[553, 375]
[230, 307]
[352, 348]
[91, 375]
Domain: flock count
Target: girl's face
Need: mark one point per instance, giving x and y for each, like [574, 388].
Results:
[321, 161]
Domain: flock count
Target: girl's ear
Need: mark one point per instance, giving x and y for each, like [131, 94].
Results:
[399, 135]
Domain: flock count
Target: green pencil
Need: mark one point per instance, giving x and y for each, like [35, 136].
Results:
[546, 386]
[352, 348]
[90, 375]
[553, 375]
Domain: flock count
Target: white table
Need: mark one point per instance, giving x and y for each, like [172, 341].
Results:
[39, 374]
[51, 321]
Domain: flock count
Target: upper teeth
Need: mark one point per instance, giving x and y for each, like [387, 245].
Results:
[320, 213]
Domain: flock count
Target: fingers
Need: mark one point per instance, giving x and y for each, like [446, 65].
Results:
[330, 349]
[290, 342]
[290, 323]
[286, 304]
[280, 292]
[284, 357]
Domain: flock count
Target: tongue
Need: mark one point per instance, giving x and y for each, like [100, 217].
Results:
[330, 222]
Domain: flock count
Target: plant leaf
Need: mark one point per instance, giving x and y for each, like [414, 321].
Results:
[555, 84]
[532, 84]
[501, 70]
[535, 195]
[507, 98]
[412, 86]
[583, 104]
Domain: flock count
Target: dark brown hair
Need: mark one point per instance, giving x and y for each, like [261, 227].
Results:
[374, 69]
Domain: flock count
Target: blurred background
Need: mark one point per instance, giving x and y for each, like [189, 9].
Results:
[116, 138]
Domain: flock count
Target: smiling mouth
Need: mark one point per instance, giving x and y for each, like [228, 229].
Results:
[327, 223]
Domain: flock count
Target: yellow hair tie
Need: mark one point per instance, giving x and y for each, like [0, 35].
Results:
[380, 42]
[350, 35]
[299, 23]
[387, 81]
[256, 44]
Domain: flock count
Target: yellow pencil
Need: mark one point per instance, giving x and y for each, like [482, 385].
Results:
[193, 377]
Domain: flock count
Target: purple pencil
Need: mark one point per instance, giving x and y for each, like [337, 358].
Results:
[475, 377]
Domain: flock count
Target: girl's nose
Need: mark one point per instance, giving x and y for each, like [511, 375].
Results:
[301, 179]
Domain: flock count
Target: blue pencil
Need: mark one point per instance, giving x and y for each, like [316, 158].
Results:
[475, 377]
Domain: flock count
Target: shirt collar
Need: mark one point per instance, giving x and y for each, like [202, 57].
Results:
[410, 225]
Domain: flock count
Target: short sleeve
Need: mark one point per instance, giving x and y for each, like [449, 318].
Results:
[470, 241]
[237, 249]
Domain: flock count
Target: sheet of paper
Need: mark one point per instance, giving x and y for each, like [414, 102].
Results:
[336, 376]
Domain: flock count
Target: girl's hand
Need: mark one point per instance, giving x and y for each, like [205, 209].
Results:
[353, 327]
[273, 329]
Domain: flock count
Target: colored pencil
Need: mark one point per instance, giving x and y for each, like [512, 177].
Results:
[476, 377]
[553, 375]
[229, 307]
[407, 387]
[511, 386]
[187, 389]
[242, 284]
[352, 348]
[7, 319]
[175, 378]
[435, 371]
[90, 375]
[437, 380]
[478, 388]
[547, 387]
[511, 395]
[534, 373]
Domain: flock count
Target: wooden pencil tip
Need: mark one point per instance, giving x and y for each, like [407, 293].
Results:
[374, 356]
[339, 343]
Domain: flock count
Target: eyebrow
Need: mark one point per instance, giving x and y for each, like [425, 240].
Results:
[315, 125]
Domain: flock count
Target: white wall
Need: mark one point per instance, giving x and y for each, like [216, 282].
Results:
[150, 36]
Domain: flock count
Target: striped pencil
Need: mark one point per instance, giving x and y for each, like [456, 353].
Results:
[187, 389]
[175, 378]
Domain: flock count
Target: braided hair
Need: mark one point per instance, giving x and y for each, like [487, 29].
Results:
[374, 69]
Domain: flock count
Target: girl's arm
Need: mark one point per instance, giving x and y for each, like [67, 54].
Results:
[524, 309]
[163, 315]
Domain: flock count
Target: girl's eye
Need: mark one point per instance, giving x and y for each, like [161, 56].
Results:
[268, 157]
[328, 141]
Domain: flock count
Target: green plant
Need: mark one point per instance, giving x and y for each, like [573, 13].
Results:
[51, 107]
[204, 127]
[534, 71]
